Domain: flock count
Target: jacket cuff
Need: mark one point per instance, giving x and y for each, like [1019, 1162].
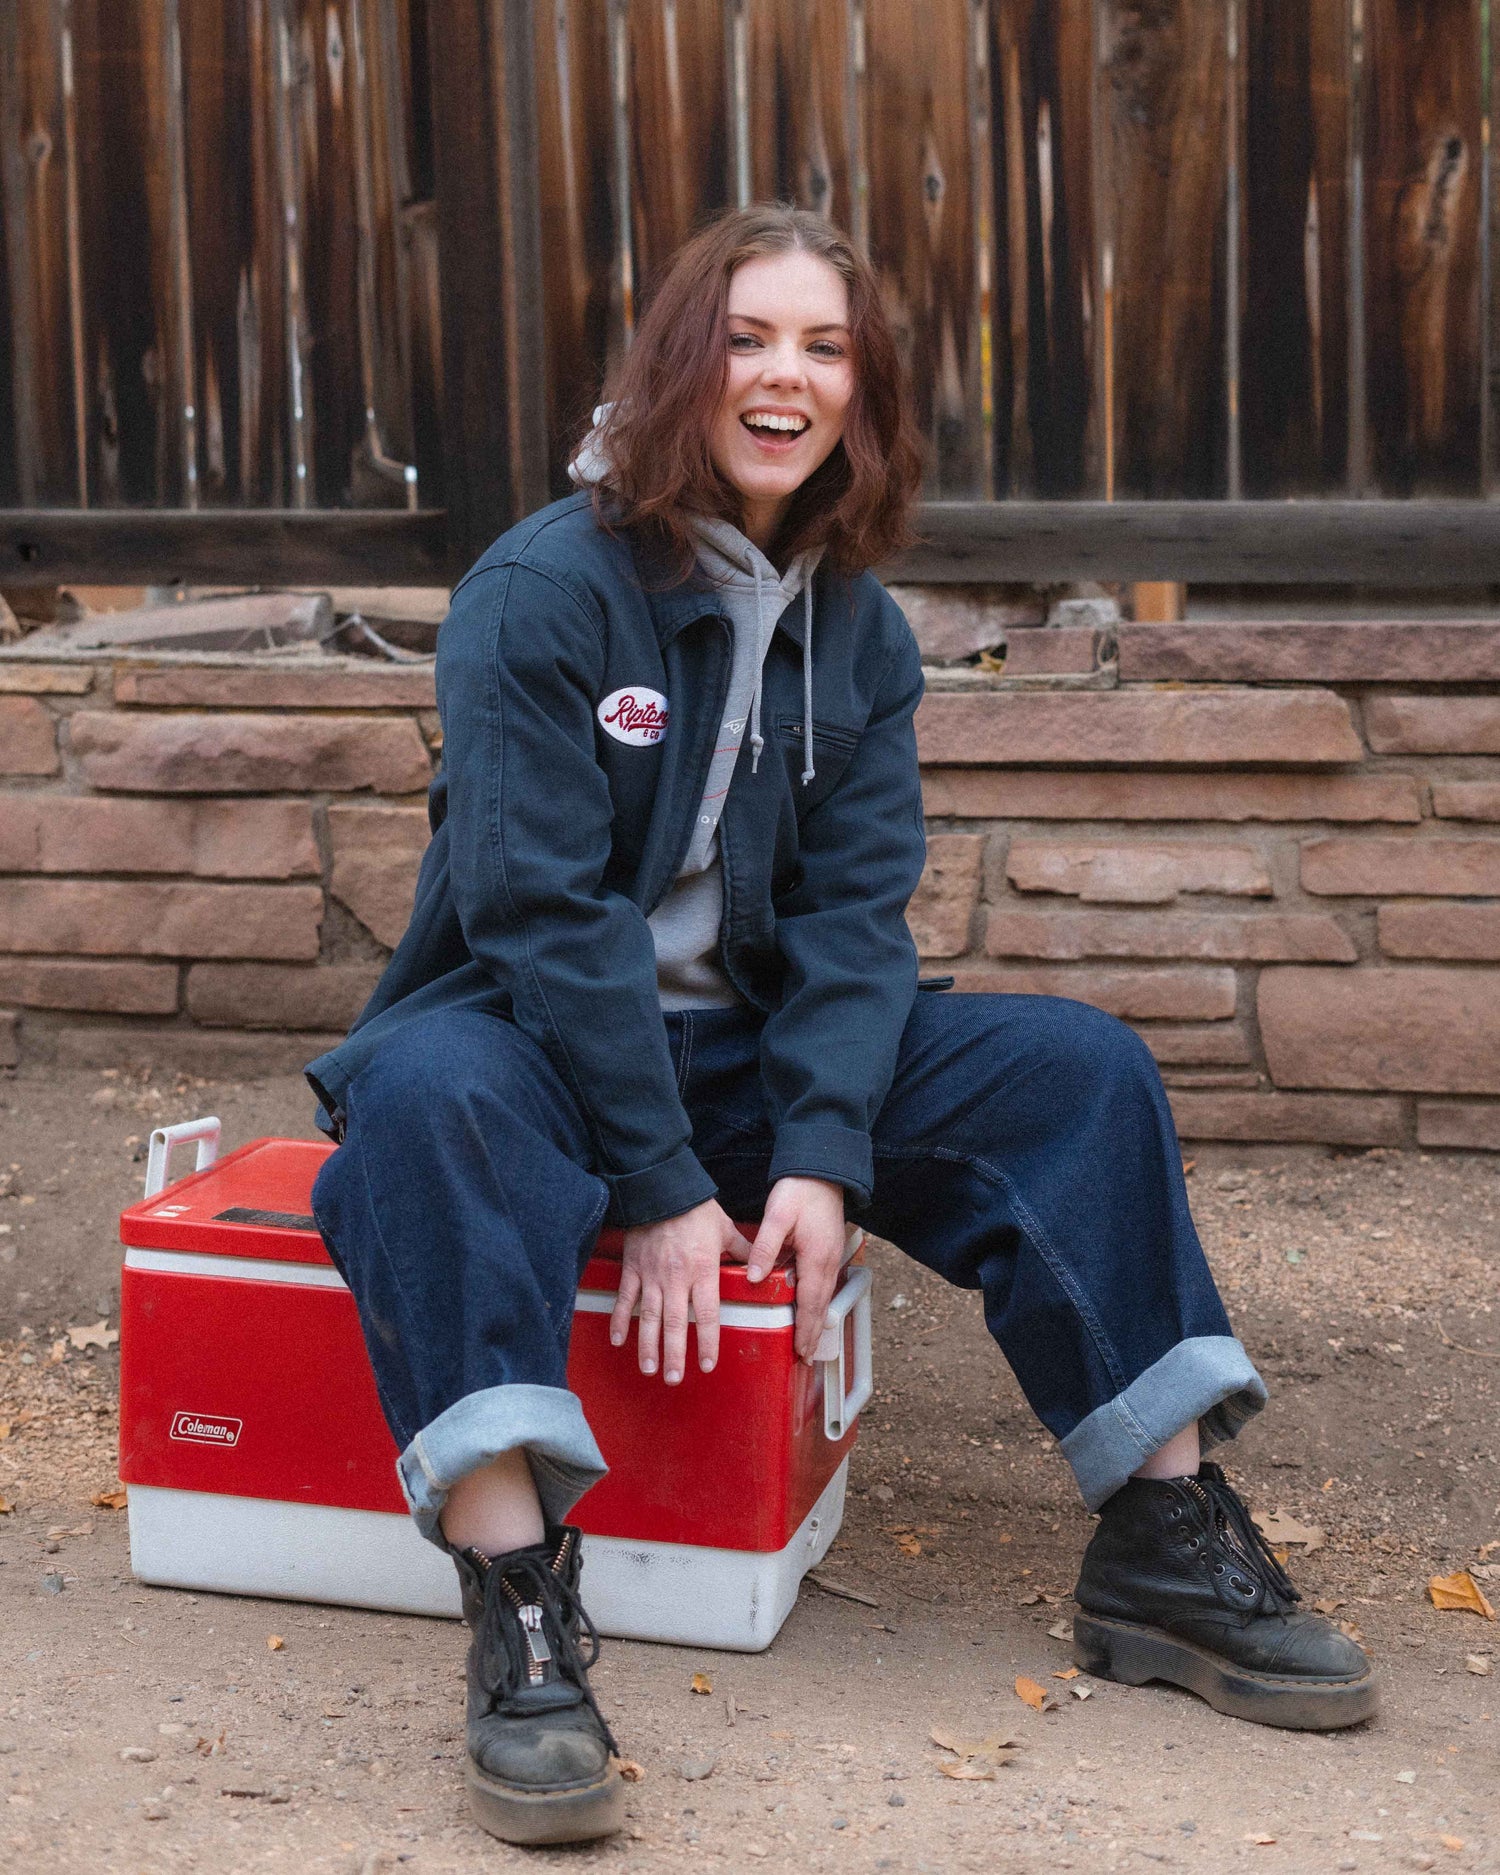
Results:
[658, 1191]
[820, 1149]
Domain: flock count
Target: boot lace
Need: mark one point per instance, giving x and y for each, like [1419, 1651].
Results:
[504, 1655]
[1237, 1549]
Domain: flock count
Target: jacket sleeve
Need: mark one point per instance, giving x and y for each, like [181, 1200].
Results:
[520, 663]
[828, 1053]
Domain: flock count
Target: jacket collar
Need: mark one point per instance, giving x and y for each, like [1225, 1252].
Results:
[672, 607]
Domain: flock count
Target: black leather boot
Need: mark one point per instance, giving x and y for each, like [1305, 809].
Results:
[539, 1752]
[1177, 1584]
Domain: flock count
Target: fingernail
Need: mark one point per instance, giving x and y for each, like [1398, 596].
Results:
[673, 1377]
[616, 1340]
[755, 1274]
[706, 1366]
[648, 1367]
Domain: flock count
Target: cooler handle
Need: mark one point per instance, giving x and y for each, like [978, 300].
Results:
[164, 1138]
[843, 1400]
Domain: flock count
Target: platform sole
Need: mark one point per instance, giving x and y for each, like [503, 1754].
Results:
[1131, 1654]
[555, 1816]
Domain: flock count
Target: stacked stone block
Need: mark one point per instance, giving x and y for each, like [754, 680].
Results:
[1273, 849]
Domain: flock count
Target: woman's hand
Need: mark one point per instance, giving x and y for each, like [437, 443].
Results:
[808, 1214]
[669, 1265]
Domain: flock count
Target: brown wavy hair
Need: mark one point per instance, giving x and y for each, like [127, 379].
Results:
[665, 392]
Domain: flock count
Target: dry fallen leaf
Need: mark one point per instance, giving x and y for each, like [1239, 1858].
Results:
[1460, 1591]
[994, 1751]
[97, 1335]
[6, 1507]
[1082, 1692]
[1066, 1673]
[969, 1768]
[1487, 1550]
[1282, 1527]
[59, 1352]
[4, 1429]
[1478, 1663]
[1037, 1697]
[1259, 1837]
[1061, 1630]
[1328, 1604]
[274, 1643]
[700, 1683]
[632, 1772]
[109, 1500]
[1455, 1843]
[909, 1545]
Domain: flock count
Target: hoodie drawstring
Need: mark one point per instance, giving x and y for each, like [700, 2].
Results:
[757, 740]
[808, 771]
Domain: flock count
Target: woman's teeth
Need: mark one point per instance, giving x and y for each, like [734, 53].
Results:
[761, 420]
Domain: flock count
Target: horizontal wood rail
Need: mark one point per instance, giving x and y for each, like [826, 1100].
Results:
[1366, 543]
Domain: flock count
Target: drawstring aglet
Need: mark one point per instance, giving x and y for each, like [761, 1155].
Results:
[757, 743]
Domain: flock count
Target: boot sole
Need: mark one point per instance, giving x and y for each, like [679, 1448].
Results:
[1120, 1650]
[574, 1814]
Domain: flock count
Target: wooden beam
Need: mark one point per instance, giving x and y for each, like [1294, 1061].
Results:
[238, 546]
[1263, 543]
[485, 127]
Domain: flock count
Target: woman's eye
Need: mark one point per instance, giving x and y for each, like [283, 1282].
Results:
[742, 341]
[825, 348]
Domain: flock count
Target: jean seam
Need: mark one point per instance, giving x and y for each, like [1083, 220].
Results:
[684, 1067]
[1031, 1226]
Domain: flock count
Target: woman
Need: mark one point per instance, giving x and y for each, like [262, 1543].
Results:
[658, 970]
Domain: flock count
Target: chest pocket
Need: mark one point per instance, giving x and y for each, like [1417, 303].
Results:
[833, 748]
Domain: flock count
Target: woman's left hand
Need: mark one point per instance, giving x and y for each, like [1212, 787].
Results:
[808, 1214]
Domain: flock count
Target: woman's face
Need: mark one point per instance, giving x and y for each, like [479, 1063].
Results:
[791, 375]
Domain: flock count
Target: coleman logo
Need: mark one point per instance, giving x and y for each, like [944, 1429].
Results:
[202, 1430]
[635, 716]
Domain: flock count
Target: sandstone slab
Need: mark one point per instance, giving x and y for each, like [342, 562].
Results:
[98, 918]
[1214, 1044]
[1068, 794]
[1142, 995]
[1360, 652]
[1420, 1030]
[1414, 868]
[377, 852]
[337, 684]
[1473, 1125]
[1466, 800]
[279, 996]
[1138, 728]
[1470, 933]
[1222, 937]
[942, 907]
[213, 839]
[1139, 874]
[249, 754]
[1326, 1119]
[951, 623]
[28, 738]
[20, 677]
[1433, 725]
[122, 989]
[10, 1038]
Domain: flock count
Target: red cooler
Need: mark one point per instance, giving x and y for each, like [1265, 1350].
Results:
[258, 1461]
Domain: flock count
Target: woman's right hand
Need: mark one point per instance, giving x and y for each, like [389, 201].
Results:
[667, 1267]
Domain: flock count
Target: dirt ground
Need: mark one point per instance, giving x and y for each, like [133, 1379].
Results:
[146, 1731]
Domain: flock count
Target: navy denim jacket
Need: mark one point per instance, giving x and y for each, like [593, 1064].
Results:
[553, 839]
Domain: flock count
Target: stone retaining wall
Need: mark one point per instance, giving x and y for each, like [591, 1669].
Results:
[1273, 849]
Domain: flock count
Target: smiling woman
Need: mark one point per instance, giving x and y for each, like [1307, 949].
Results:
[764, 384]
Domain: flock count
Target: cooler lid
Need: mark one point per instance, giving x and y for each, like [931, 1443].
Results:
[254, 1202]
[779, 1288]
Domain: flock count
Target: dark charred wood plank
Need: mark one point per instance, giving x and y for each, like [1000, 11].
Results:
[800, 129]
[1288, 543]
[1164, 130]
[482, 59]
[921, 219]
[679, 126]
[1423, 157]
[1294, 386]
[32, 191]
[1041, 78]
[289, 547]
[574, 145]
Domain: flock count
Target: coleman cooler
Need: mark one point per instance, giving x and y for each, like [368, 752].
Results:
[258, 1462]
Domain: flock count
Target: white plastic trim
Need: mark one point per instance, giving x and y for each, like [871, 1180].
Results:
[731, 1314]
[247, 1269]
[843, 1399]
[164, 1138]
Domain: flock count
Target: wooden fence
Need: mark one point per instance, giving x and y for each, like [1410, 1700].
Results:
[331, 283]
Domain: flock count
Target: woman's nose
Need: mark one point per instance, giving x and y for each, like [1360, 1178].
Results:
[783, 365]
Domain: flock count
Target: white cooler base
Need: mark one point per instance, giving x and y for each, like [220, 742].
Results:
[676, 1592]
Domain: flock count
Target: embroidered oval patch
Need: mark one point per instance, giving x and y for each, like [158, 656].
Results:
[635, 715]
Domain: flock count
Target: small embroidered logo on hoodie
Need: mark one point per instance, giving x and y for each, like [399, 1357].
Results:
[635, 716]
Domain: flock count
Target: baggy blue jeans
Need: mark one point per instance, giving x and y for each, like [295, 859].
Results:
[1026, 1150]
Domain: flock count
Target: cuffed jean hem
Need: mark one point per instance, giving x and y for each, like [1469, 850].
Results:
[1207, 1377]
[547, 1421]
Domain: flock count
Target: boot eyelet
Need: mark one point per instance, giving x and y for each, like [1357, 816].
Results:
[1218, 1568]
